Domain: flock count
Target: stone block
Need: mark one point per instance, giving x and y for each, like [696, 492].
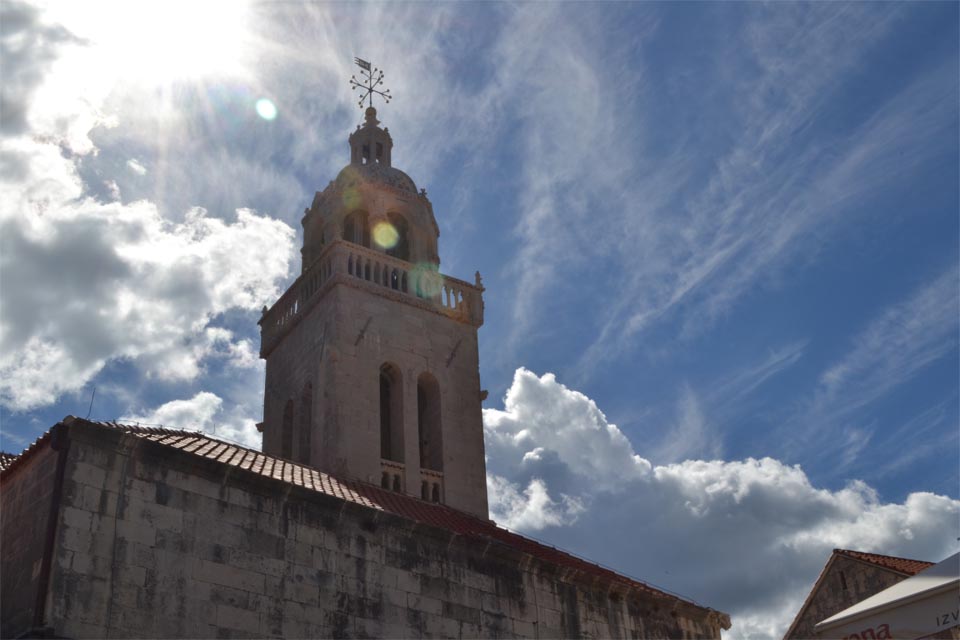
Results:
[460, 612]
[523, 628]
[229, 576]
[136, 531]
[408, 582]
[90, 475]
[425, 604]
[236, 618]
[80, 518]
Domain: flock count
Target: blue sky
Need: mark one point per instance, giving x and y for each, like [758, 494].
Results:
[723, 237]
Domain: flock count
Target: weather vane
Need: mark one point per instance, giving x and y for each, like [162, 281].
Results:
[370, 79]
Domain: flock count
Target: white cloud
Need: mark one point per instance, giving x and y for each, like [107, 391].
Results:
[136, 167]
[759, 525]
[542, 413]
[903, 340]
[203, 412]
[86, 282]
[690, 435]
[895, 347]
[684, 233]
[532, 508]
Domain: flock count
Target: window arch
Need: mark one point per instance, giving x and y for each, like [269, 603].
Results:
[402, 248]
[356, 228]
[428, 423]
[286, 431]
[305, 428]
[391, 413]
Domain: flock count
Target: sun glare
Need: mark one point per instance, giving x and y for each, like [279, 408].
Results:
[161, 41]
[266, 109]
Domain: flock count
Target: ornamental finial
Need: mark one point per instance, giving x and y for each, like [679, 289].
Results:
[370, 79]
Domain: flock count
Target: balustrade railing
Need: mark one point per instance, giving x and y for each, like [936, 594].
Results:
[391, 475]
[431, 485]
[453, 297]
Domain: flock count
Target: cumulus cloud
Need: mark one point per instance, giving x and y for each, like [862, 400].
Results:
[28, 47]
[203, 412]
[746, 536]
[87, 282]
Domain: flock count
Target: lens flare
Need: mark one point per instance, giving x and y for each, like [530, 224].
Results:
[266, 109]
[426, 279]
[385, 235]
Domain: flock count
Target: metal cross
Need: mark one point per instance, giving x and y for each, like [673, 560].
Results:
[370, 79]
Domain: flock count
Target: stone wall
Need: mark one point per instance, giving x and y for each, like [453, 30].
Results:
[338, 346]
[846, 582]
[24, 512]
[155, 542]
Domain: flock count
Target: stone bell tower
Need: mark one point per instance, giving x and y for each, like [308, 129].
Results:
[372, 365]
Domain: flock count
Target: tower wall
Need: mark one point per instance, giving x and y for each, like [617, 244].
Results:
[369, 317]
[339, 347]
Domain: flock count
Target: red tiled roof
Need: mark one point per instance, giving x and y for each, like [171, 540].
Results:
[371, 496]
[903, 565]
[6, 459]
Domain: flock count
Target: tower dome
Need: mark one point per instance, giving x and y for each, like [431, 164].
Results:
[370, 194]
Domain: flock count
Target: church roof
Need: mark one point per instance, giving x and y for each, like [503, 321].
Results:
[6, 459]
[903, 565]
[368, 495]
[354, 175]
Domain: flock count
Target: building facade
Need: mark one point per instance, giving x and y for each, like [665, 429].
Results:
[129, 532]
[846, 579]
[372, 367]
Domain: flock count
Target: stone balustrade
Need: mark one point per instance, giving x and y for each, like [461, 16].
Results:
[391, 475]
[348, 263]
[431, 485]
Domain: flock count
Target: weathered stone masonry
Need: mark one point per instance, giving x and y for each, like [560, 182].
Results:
[848, 578]
[155, 541]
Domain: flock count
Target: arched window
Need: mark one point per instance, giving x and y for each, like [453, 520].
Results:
[286, 432]
[428, 423]
[356, 229]
[402, 248]
[305, 428]
[391, 414]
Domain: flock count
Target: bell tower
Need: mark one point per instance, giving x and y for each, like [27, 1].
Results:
[372, 367]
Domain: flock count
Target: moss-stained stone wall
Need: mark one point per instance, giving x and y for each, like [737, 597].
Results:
[24, 511]
[154, 542]
[846, 582]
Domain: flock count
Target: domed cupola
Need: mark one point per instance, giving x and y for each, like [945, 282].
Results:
[372, 204]
[370, 144]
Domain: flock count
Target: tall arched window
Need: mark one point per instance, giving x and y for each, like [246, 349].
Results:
[286, 431]
[305, 428]
[402, 248]
[391, 413]
[356, 228]
[428, 423]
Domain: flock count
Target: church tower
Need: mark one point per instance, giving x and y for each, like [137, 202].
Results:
[372, 363]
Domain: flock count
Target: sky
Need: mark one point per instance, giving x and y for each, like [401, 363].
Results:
[719, 243]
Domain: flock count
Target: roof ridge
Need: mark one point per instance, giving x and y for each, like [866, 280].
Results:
[865, 555]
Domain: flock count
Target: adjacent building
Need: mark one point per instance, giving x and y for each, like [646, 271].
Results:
[846, 579]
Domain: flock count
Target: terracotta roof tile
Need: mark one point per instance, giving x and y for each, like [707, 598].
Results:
[903, 565]
[6, 459]
[374, 497]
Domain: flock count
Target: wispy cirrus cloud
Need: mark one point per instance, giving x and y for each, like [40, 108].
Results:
[895, 347]
[682, 231]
